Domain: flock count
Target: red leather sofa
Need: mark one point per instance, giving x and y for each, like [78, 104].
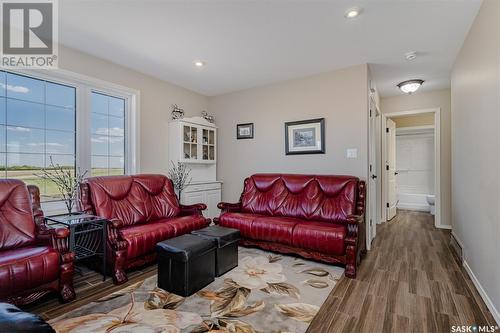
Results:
[316, 217]
[143, 210]
[34, 259]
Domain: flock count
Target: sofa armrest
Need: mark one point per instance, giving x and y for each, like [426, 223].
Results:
[34, 193]
[114, 238]
[59, 239]
[196, 209]
[355, 219]
[354, 223]
[226, 207]
[115, 223]
[84, 202]
[229, 207]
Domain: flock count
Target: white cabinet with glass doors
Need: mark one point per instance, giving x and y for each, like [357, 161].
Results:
[193, 140]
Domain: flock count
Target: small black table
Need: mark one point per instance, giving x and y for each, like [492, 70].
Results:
[87, 236]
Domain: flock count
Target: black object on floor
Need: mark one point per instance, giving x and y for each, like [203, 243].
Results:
[14, 320]
[185, 264]
[226, 257]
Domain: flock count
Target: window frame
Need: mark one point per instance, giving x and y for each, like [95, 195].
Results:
[84, 86]
[125, 129]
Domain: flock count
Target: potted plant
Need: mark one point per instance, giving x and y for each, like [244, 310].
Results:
[179, 174]
[67, 183]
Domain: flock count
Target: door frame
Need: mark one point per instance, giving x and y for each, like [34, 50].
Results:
[437, 160]
[373, 185]
[387, 172]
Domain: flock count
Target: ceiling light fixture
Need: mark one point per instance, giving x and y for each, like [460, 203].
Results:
[352, 12]
[411, 55]
[199, 63]
[410, 86]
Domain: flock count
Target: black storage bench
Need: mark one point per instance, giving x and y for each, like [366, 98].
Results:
[227, 246]
[185, 264]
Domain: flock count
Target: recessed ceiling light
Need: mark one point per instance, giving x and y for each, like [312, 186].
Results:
[411, 55]
[199, 63]
[353, 12]
[410, 86]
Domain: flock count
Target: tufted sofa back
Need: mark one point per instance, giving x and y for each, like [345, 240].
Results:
[132, 199]
[17, 227]
[310, 197]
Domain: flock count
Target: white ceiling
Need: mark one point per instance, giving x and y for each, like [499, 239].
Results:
[252, 43]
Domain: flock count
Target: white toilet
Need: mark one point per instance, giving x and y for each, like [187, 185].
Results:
[431, 200]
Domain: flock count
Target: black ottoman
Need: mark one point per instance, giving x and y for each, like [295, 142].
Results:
[227, 246]
[185, 264]
[14, 320]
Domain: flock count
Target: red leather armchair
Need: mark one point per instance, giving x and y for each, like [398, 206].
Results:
[34, 259]
[316, 217]
[143, 210]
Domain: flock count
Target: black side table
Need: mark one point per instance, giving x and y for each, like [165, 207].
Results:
[88, 235]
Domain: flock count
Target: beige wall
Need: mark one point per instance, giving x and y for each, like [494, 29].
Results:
[156, 98]
[422, 119]
[340, 97]
[475, 86]
[433, 99]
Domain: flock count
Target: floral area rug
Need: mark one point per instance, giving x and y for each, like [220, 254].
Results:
[266, 293]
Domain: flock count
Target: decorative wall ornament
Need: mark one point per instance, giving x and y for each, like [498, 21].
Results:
[305, 137]
[244, 131]
[177, 112]
[209, 118]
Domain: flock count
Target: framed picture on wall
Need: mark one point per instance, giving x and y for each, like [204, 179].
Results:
[305, 137]
[244, 131]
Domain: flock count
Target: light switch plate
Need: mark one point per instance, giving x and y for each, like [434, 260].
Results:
[352, 153]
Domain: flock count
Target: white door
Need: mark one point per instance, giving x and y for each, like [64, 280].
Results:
[392, 198]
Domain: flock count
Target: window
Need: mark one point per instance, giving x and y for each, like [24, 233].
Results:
[37, 126]
[108, 135]
[79, 123]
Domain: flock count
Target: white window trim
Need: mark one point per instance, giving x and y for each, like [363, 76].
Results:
[84, 85]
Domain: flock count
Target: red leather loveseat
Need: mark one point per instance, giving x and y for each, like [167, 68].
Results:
[317, 217]
[143, 210]
[34, 260]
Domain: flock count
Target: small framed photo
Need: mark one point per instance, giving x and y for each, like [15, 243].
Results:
[244, 131]
[305, 137]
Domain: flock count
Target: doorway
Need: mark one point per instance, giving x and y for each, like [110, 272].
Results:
[411, 163]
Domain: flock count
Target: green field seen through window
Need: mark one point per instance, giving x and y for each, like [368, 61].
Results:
[48, 189]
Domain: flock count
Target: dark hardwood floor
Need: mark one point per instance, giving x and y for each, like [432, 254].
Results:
[89, 287]
[409, 282]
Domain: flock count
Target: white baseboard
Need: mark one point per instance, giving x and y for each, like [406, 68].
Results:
[456, 246]
[459, 241]
[482, 292]
[413, 206]
[444, 226]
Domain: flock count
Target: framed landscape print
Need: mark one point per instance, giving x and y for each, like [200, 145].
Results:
[305, 137]
[244, 131]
